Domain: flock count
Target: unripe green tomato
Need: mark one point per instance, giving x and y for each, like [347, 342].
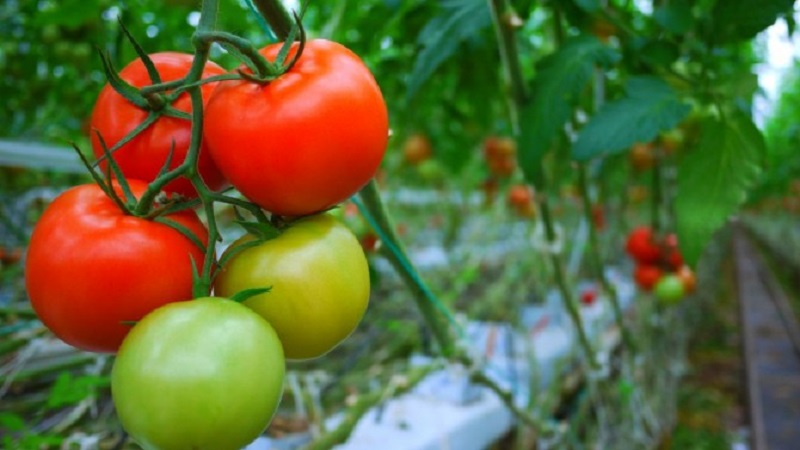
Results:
[431, 171]
[669, 289]
[318, 278]
[205, 374]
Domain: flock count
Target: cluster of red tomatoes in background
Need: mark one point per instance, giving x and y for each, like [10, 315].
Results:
[208, 373]
[659, 265]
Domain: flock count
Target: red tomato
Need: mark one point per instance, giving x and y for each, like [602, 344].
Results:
[646, 276]
[588, 296]
[90, 267]
[142, 158]
[305, 141]
[642, 247]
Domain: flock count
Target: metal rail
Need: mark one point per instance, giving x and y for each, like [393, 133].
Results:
[771, 336]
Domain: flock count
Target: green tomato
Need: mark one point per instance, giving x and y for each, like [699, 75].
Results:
[669, 289]
[431, 171]
[202, 374]
[319, 284]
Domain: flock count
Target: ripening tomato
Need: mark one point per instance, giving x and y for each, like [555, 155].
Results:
[416, 149]
[642, 247]
[520, 198]
[204, 374]
[496, 147]
[646, 276]
[642, 156]
[143, 157]
[305, 141]
[90, 267]
[319, 284]
[688, 278]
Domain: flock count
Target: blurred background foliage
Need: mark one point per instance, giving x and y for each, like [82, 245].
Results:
[421, 53]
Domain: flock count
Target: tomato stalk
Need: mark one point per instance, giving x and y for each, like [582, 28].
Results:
[597, 261]
[658, 195]
[277, 16]
[396, 255]
[506, 35]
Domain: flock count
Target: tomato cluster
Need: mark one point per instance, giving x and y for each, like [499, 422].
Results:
[107, 272]
[501, 155]
[659, 265]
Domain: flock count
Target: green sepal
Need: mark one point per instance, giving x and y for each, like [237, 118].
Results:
[242, 296]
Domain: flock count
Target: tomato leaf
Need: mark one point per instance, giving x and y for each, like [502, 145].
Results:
[441, 37]
[714, 179]
[649, 108]
[262, 230]
[675, 16]
[739, 20]
[561, 77]
[588, 6]
[246, 294]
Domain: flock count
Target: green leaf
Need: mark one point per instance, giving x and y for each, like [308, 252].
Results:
[68, 13]
[649, 108]
[589, 6]
[714, 179]
[246, 294]
[441, 37]
[560, 79]
[675, 16]
[263, 231]
[69, 390]
[739, 20]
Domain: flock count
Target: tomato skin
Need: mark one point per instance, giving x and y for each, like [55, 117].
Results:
[90, 267]
[305, 141]
[642, 246]
[319, 282]
[142, 158]
[203, 374]
[646, 276]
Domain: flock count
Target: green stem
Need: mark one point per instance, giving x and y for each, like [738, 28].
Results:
[510, 59]
[658, 197]
[506, 38]
[277, 16]
[564, 288]
[401, 263]
[597, 260]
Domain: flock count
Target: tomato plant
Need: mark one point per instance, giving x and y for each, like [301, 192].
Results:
[291, 145]
[318, 279]
[91, 267]
[202, 374]
[142, 158]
